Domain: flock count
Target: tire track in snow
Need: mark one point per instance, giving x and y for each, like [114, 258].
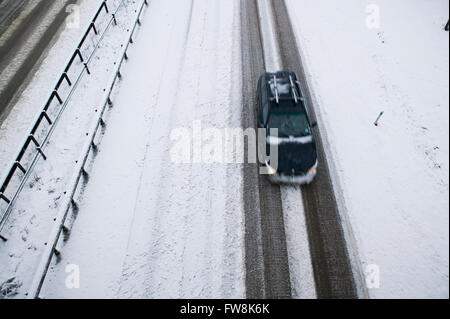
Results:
[148, 146]
[153, 245]
[184, 254]
[196, 276]
[267, 261]
[333, 270]
[252, 66]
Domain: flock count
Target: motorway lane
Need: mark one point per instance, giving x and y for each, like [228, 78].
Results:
[266, 251]
[15, 43]
[331, 262]
[267, 264]
[9, 10]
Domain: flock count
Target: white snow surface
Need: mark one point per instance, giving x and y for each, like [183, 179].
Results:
[392, 179]
[33, 214]
[300, 265]
[147, 227]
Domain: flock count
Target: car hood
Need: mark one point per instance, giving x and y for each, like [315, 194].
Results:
[296, 156]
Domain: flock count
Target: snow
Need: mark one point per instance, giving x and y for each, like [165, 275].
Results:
[33, 215]
[300, 264]
[270, 47]
[147, 227]
[394, 177]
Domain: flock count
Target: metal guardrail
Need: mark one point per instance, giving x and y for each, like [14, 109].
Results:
[89, 146]
[18, 169]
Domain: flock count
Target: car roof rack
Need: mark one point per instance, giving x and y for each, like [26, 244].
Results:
[275, 83]
[294, 92]
[302, 97]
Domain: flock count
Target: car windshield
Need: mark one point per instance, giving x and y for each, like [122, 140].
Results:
[293, 124]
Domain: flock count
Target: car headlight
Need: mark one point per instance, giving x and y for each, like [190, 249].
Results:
[271, 170]
[313, 170]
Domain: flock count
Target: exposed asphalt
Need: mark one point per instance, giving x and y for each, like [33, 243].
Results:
[266, 251]
[267, 264]
[331, 263]
[267, 267]
[9, 10]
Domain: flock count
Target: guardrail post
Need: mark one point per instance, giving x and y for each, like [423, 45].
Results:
[85, 174]
[42, 153]
[74, 205]
[67, 78]
[6, 199]
[38, 146]
[106, 6]
[66, 230]
[94, 28]
[78, 52]
[55, 93]
[19, 166]
[87, 69]
[45, 115]
[94, 147]
[139, 16]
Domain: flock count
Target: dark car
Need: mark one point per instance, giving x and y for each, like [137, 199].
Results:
[282, 105]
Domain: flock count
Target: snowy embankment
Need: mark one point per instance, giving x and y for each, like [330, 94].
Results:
[393, 178]
[148, 227]
[33, 214]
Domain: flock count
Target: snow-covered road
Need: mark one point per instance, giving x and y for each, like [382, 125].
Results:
[148, 227]
[152, 223]
[300, 265]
